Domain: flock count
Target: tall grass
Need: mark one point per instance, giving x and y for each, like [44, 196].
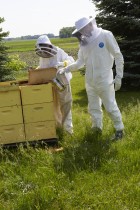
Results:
[90, 173]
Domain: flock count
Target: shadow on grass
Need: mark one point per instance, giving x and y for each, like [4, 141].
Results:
[82, 100]
[87, 154]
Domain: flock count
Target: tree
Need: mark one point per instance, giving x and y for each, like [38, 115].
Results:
[122, 17]
[4, 71]
[66, 32]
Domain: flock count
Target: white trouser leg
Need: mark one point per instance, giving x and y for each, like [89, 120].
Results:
[108, 98]
[65, 99]
[94, 107]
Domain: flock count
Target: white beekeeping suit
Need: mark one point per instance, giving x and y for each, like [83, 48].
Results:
[51, 56]
[98, 50]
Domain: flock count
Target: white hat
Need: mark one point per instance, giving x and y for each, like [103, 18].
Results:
[81, 23]
[43, 39]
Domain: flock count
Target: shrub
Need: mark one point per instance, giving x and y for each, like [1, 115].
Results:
[15, 64]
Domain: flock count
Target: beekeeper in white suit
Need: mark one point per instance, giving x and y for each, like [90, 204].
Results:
[52, 56]
[98, 50]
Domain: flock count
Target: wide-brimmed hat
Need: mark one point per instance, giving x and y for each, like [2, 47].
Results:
[81, 23]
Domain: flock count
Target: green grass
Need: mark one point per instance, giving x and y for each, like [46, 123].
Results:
[29, 45]
[20, 46]
[90, 173]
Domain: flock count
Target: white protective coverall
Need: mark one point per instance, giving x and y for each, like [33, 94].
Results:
[65, 96]
[98, 56]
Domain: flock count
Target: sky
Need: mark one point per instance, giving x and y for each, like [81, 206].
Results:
[36, 17]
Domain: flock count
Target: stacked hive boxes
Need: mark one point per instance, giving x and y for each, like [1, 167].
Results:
[38, 112]
[11, 119]
[26, 113]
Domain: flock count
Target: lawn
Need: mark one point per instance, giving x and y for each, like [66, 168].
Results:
[90, 173]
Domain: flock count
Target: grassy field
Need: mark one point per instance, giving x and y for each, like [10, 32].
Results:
[29, 45]
[91, 173]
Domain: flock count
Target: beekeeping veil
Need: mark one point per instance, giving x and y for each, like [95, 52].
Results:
[44, 47]
[86, 34]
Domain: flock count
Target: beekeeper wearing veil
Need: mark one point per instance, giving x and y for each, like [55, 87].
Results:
[52, 56]
[97, 51]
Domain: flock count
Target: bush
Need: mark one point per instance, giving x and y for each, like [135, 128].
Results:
[15, 64]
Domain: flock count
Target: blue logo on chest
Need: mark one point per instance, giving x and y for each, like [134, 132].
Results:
[101, 44]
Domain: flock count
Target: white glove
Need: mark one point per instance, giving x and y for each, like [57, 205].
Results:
[64, 70]
[59, 64]
[118, 82]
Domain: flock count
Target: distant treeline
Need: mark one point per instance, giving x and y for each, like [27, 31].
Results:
[65, 32]
[29, 37]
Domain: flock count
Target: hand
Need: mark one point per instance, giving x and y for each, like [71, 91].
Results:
[64, 70]
[59, 64]
[118, 82]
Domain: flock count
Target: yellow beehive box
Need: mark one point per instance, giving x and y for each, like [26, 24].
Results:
[33, 94]
[11, 115]
[9, 96]
[40, 130]
[6, 84]
[38, 112]
[12, 134]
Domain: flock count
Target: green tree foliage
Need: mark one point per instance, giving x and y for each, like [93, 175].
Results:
[5, 73]
[66, 32]
[122, 17]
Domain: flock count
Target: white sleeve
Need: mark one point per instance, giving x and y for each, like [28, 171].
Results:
[79, 63]
[65, 57]
[42, 62]
[115, 51]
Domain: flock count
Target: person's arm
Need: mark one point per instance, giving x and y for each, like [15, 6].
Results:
[79, 63]
[64, 59]
[114, 49]
[42, 63]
